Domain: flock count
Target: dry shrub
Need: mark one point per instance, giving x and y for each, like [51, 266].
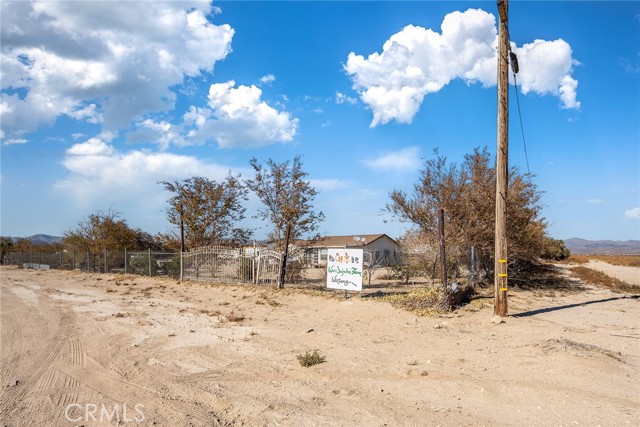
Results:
[600, 279]
[234, 317]
[423, 302]
[429, 301]
[621, 260]
[576, 259]
[310, 358]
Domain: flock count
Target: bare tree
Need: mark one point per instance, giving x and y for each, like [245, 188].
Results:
[210, 211]
[288, 201]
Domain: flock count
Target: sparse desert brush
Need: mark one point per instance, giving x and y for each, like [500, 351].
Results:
[600, 279]
[234, 317]
[310, 358]
[265, 299]
[622, 260]
[576, 259]
[210, 313]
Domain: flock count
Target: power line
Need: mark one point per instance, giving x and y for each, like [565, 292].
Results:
[515, 67]
[524, 141]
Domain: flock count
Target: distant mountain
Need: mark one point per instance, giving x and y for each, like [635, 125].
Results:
[41, 239]
[608, 247]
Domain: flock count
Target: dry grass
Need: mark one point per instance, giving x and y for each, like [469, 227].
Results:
[622, 260]
[598, 278]
[423, 302]
[234, 317]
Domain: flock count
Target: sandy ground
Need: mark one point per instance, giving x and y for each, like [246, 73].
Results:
[83, 349]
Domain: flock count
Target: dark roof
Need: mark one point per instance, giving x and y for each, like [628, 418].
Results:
[340, 241]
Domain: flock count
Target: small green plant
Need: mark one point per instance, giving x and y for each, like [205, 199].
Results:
[310, 358]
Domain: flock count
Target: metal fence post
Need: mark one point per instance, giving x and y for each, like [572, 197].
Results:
[473, 266]
[125, 260]
[150, 262]
[253, 265]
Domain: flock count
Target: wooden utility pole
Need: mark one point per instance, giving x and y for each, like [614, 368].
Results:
[502, 164]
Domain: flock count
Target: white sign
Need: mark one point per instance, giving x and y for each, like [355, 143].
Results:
[344, 269]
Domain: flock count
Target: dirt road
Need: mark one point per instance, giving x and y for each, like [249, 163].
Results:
[86, 349]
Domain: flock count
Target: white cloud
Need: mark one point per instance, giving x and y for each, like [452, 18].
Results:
[596, 202]
[632, 213]
[269, 78]
[87, 113]
[237, 117]
[14, 141]
[407, 159]
[545, 68]
[417, 61]
[328, 184]
[99, 173]
[98, 61]
[160, 132]
[341, 98]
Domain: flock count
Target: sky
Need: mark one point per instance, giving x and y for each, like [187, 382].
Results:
[101, 100]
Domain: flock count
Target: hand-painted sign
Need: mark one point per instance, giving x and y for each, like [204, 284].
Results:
[344, 269]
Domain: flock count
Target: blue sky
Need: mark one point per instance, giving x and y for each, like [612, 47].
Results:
[101, 100]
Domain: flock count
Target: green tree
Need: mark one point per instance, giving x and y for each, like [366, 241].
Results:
[6, 246]
[555, 249]
[210, 210]
[106, 230]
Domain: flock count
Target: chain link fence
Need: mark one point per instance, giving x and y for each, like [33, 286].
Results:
[257, 266]
[148, 263]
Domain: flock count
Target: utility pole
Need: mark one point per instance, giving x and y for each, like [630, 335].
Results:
[502, 164]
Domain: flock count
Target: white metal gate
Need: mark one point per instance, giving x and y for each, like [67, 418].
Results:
[231, 265]
[269, 264]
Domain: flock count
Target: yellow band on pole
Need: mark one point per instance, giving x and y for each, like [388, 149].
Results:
[502, 274]
[504, 289]
[502, 261]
